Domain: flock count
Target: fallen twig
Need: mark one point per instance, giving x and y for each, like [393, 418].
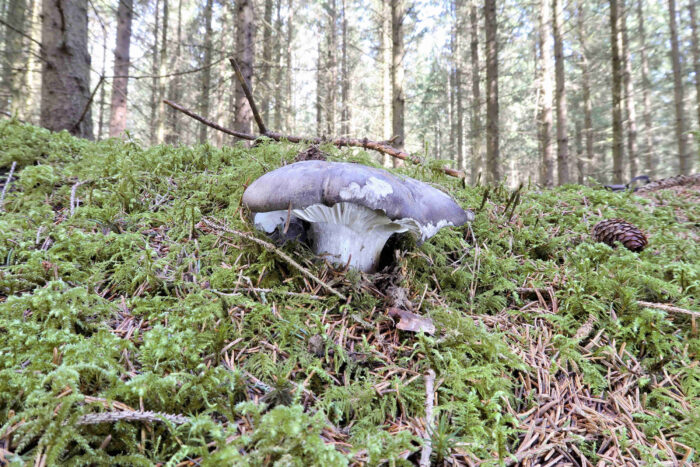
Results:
[209, 123]
[7, 183]
[213, 224]
[427, 449]
[130, 415]
[240, 290]
[669, 308]
[248, 94]
[73, 192]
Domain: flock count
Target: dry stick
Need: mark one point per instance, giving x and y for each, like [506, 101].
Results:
[340, 142]
[87, 105]
[669, 308]
[427, 449]
[73, 193]
[209, 123]
[7, 183]
[212, 224]
[248, 95]
[131, 415]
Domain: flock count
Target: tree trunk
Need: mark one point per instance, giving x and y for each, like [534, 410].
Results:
[345, 77]
[103, 88]
[331, 67]
[650, 166]
[319, 88]
[155, 82]
[629, 95]
[696, 56]
[492, 150]
[279, 107]
[386, 75]
[65, 83]
[175, 86]
[545, 41]
[245, 50]
[117, 117]
[589, 158]
[397, 71]
[560, 77]
[457, 59]
[616, 92]
[476, 137]
[684, 161]
[266, 62]
[162, 80]
[289, 113]
[13, 69]
[579, 153]
[206, 73]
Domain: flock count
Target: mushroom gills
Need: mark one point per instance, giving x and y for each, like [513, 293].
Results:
[345, 232]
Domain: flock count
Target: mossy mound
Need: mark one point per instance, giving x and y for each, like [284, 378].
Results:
[117, 304]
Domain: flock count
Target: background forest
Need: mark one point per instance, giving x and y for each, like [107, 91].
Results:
[546, 91]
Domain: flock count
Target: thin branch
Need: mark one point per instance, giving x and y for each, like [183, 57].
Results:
[189, 113]
[248, 95]
[7, 183]
[669, 308]
[427, 449]
[216, 226]
[378, 146]
[21, 33]
[130, 415]
[88, 104]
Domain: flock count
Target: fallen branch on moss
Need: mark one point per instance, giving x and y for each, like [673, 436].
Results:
[130, 415]
[7, 184]
[427, 449]
[669, 308]
[220, 227]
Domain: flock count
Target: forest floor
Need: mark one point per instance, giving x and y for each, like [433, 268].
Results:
[141, 325]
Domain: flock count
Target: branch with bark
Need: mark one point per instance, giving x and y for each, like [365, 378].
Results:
[378, 146]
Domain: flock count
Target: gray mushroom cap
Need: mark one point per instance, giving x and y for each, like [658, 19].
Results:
[319, 182]
[351, 209]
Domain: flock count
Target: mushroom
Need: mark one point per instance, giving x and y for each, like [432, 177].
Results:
[351, 209]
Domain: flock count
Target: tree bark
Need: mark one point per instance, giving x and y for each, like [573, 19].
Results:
[118, 111]
[545, 42]
[696, 56]
[266, 61]
[589, 158]
[684, 161]
[279, 72]
[616, 92]
[162, 80]
[206, 73]
[397, 72]
[345, 78]
[155, 81]
[649, 160]
[319, 89]
[245, 50]
[331, 67]
[386, 74]
[476, 137]
[103, 88]
[492, 130]
[289, 113]
[629, 96]
[459, 109]
[65, 83]
[13, 70]
[175, 85]
[560, 77]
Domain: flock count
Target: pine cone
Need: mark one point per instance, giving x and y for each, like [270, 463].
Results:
[618, 230]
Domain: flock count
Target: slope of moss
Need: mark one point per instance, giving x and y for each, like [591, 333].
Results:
[114, 297]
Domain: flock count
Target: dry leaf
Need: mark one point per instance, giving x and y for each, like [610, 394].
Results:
[412, 322]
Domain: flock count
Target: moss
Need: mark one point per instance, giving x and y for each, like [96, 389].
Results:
[115, 302]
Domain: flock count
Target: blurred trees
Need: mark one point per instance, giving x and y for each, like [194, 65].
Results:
[485, 84]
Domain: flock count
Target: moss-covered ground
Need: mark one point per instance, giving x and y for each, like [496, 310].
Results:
[116, 301]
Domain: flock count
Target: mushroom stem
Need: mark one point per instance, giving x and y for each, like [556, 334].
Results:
[342, 244]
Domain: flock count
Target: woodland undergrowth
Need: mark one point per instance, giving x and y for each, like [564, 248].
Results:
[114, 298]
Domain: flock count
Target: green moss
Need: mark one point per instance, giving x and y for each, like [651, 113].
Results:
[115, 302]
